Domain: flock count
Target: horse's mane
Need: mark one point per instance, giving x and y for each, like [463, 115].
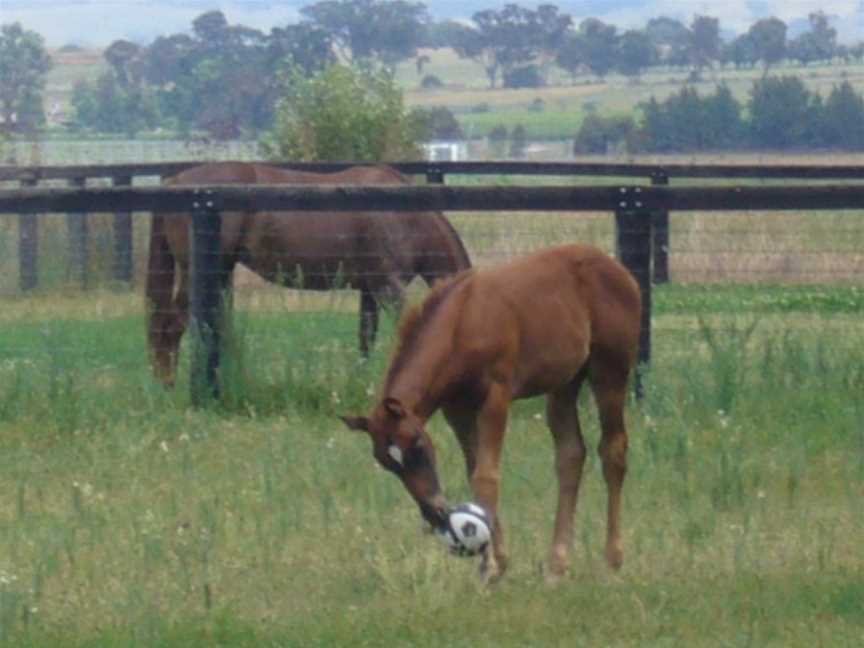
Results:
[415, 317]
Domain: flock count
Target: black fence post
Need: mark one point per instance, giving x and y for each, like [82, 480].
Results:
[123, 264]
[79, 241]
[435, 175]
[206, 297]
[28, 246]
[633, 227]
[660, 224]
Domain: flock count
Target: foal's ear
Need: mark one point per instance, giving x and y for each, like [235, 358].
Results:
[394, 407]
[356, 422]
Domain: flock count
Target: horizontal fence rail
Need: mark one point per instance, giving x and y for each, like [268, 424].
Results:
[641, 211]
[623, 170]
[444, 198]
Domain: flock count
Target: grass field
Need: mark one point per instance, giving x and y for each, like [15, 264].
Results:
[131, 520]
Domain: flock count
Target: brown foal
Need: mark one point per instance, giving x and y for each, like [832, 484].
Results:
[541, 324]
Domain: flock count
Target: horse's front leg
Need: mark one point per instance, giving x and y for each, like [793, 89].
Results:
[486, 476]
[167, 327]
[368, 321]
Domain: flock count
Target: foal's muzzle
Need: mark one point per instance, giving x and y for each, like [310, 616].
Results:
[434, 511]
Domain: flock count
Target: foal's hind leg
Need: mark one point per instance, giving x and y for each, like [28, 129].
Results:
[609, 382]
[563, 419]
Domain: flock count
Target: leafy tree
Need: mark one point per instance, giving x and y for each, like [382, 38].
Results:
[842, 119]
[109, 105]
[445, 33]
[768, 37]
[686, 122]
[570, 56]
[598, 45]
[23, 66]
[303, 46]
[388, 31]
[343, 114]
[818, 44]
[497, 138]
[437, 123]
[724, 124]
[526, 76]
[124, 57]
[514, 43]
[823, 33]
[783, 113]
[222, 80]
[636, 52]
[705, 42]
[598, 133]
[431, 82]
[518, 142]
[656, 128]
[671, 39]
[167, 59]
[741, 52]
[551, 30]
[505, 39]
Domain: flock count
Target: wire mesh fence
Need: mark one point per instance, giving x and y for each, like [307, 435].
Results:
[798, 270]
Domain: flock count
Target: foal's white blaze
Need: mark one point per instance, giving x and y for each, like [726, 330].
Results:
[395, 453]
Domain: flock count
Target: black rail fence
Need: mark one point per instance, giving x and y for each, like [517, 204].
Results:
[641, 213]
[124, 175]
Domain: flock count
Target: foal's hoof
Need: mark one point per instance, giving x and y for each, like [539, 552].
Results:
[492, 569]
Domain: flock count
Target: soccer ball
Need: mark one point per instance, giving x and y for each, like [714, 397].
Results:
[468, 531]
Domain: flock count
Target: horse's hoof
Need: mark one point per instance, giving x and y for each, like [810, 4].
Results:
[614, 557]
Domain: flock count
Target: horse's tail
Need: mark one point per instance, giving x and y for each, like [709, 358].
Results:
[447, 256]
[159, 289]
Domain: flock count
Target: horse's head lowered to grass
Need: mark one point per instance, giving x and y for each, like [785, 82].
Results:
[375, 253]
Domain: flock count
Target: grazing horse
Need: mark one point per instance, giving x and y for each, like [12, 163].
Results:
[377, 253]
[541, 324]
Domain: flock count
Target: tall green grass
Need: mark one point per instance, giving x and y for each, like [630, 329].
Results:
[130, 519]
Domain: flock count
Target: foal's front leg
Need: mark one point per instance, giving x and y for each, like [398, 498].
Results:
[563, 420]
[486, 477]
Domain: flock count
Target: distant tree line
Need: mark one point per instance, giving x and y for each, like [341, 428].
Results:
[780, 114]
[226, 80]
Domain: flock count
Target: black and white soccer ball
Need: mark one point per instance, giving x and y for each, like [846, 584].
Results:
[468, 531]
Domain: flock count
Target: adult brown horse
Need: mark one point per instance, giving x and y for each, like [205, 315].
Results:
[377, 253]
[542, 324]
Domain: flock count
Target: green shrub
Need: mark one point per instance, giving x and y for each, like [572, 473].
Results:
[343, 113]
[597, 134]
[528, 76]
[431, 82]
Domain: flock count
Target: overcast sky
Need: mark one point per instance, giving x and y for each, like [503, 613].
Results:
[99, 22]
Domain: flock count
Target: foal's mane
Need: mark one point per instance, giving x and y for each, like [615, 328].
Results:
[413, 320]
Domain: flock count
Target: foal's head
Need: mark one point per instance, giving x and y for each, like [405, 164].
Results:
[400, 444]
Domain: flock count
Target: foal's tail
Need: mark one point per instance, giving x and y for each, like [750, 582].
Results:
[159, 289]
